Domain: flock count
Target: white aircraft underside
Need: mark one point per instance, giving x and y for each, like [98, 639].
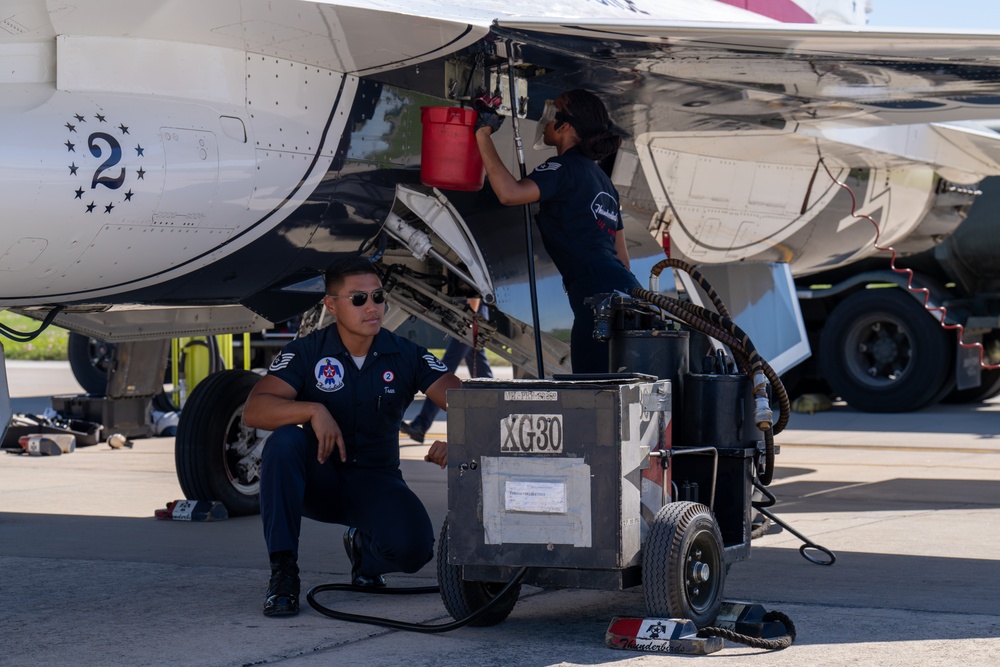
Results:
[191, 153]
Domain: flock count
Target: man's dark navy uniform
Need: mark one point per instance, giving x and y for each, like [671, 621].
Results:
[369, 402]
[348, 386]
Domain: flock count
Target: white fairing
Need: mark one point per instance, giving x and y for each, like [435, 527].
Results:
[136, 190]
[759, 202]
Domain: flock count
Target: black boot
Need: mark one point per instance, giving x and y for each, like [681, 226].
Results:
[283, 589]
[352, 544]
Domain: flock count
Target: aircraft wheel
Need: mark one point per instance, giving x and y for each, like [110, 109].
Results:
[461, 598]
[217, 456]
[881, 351]
[683, 566]
[90, 358]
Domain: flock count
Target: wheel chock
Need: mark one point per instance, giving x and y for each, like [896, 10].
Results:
[659, 635]
[747, 618]
[193, 510]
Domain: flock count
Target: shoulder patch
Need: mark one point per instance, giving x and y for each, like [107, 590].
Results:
[548, 166]
[434, 363]
[281, 361]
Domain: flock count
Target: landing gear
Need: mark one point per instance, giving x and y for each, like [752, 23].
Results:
[217, 456]
[882, 352]
[90, 359]
[683, 564]
[461, 598]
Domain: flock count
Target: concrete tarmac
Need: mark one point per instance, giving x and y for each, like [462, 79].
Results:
[910, 504]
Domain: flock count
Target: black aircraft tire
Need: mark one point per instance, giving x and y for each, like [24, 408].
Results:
[89, 359]
[683, 564]
[881, 351]
[209, 428]
[461, 598]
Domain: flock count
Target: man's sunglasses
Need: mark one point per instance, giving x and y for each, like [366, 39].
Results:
[359, 299]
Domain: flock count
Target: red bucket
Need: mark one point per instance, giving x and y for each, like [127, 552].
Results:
[449, 156]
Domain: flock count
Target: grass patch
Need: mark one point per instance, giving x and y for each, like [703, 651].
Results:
[49, 345]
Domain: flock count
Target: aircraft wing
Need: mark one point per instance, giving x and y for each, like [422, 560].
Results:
[829, 85]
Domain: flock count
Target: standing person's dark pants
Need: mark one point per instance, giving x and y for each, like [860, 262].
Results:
[454, 353]
[587, 354]
[293, 484]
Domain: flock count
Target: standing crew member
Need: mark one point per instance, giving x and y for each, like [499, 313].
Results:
[579, 216]
[347, 385]
[456, 350]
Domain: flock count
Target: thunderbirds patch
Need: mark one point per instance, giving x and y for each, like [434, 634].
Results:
[329, 374]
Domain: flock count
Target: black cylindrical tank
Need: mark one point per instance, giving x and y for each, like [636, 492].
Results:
[656, 352]
[715, 412]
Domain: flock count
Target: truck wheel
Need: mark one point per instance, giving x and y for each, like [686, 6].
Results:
[461, 598]
[217, 457]
[989, 388]
[89, 359]
[881, 351]
[683, 567]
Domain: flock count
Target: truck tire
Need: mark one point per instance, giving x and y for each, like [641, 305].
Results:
[89, 359]
[881, 351]
[683, 564]
[217, 457]
[461, 598]
[989, 388]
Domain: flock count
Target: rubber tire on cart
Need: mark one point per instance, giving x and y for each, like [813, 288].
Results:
[881, 351]
[89, 359]
[461, 598]
[683, 564]
[211, 440]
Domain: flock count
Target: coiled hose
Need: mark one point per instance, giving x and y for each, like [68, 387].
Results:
[719, 325]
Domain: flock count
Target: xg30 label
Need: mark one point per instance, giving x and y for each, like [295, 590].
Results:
[531, 434]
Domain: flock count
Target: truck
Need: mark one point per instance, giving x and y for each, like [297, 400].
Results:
[875, 326]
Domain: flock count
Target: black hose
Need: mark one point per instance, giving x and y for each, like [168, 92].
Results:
[775, 644]
[21, 336]
[806, 542]
[726, 331]
[403, 625]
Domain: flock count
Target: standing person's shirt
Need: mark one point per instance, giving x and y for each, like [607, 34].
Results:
[368, 403]
[578, 216]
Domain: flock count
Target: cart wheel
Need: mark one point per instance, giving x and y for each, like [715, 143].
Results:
[461, 598]
[217, 456]
[683, 569]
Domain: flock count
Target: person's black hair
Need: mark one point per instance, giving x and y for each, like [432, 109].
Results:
[348, 266]
[586, 113]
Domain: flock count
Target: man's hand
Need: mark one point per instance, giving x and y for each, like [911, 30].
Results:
[438, 453]
[328, 434]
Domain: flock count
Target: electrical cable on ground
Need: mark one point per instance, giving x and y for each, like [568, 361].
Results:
[404, 625]
[774, 644]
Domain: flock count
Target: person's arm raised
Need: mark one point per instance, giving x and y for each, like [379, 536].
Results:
[509, 190]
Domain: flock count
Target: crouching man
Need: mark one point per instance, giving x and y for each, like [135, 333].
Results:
[347, 386]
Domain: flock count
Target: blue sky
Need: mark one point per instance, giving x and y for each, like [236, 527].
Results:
[950, 14]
